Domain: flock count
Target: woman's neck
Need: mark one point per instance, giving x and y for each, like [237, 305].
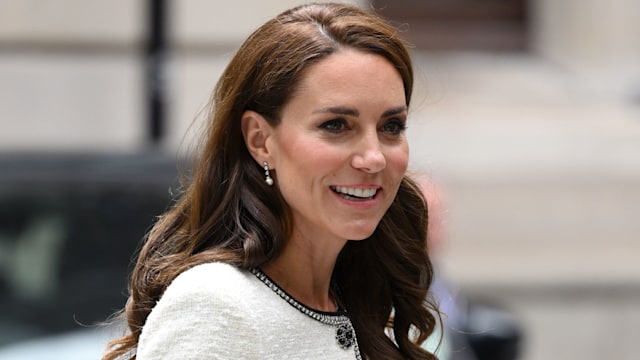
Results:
[304, 270]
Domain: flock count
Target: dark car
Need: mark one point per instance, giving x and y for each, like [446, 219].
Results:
[70, 225]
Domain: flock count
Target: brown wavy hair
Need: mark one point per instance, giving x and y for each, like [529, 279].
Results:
[227, 213]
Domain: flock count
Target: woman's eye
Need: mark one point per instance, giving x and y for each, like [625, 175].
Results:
[334, 126]
[394, 127]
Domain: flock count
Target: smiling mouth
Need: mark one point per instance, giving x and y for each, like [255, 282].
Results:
[355, 193]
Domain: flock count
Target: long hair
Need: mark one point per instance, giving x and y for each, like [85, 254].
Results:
[227, 213]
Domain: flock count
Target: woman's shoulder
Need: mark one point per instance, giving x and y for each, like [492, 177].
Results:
[212, 298]
[216, 277]
[211, 287]
[204, 272]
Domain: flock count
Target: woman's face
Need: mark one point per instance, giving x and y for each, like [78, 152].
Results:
[340, 149]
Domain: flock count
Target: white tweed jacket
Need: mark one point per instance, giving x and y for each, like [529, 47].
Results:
[217, 311]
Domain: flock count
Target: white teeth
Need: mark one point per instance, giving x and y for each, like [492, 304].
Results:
[357, 192]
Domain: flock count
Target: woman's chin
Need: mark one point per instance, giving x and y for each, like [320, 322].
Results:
[360, 234]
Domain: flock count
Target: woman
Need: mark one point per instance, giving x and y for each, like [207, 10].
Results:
[300, 235]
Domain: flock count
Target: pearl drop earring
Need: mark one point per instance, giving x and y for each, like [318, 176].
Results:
[267, 178]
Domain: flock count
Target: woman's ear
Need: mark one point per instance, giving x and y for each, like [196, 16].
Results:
[256, 130]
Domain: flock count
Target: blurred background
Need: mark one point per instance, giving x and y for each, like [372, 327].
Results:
[526, 115]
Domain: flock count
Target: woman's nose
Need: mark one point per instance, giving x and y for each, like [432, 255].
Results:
[368, 156]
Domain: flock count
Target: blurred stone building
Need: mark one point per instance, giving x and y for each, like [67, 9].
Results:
[72, 72]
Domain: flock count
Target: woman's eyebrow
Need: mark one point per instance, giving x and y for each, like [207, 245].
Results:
[338, 110]
[395, 111]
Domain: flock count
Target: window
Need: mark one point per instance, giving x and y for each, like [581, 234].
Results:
[459, 24]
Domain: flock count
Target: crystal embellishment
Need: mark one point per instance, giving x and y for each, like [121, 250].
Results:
[345, 334]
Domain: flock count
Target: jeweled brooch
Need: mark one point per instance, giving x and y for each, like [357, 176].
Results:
[345, 336]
